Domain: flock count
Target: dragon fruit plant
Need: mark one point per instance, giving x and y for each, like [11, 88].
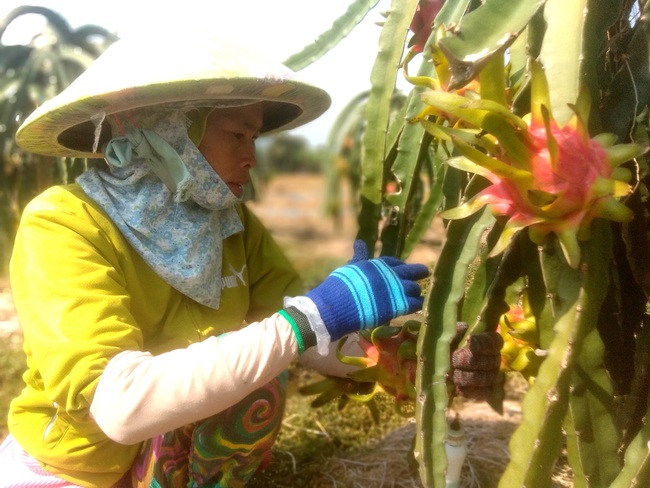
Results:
[519, 159]
[536, 210]
[559, 185]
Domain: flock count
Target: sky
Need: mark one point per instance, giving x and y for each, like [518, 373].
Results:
[282, 27]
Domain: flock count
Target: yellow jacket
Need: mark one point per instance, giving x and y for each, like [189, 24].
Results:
[83, 295]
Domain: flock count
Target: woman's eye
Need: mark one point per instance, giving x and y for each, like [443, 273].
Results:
[241, 136]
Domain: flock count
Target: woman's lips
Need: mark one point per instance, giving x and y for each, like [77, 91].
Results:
[236, 188]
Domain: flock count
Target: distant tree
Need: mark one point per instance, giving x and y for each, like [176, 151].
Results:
[286, 153]
[29, 75]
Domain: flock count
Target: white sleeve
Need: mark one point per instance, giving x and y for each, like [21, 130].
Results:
[140, 396]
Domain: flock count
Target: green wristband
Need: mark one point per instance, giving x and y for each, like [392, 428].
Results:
[299, 322]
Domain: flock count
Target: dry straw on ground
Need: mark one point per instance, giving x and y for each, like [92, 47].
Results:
[386, 463]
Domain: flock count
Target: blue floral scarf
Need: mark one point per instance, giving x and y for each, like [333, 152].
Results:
[167, 201]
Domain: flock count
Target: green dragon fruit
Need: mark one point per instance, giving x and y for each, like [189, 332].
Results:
[518, 327]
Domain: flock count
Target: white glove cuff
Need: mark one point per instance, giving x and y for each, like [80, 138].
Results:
[308, 307]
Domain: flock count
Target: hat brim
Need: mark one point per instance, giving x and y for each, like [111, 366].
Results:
[72, 124]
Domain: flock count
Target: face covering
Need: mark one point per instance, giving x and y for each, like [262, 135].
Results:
[166, 199]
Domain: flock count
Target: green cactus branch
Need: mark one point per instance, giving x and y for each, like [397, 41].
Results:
[441, 311]
[382, 80]
[330, 38]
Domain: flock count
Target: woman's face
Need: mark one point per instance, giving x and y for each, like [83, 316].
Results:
[229, 143]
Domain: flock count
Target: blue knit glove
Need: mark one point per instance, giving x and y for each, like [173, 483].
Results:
[366, 293]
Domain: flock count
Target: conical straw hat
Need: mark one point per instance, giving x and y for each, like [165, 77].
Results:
[194, 71]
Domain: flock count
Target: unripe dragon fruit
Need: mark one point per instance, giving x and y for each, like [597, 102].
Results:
[544, 177]
[388, 365]
[389, 361]
[520, 352]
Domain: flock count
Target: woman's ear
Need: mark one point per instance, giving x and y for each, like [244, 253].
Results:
[197, 118]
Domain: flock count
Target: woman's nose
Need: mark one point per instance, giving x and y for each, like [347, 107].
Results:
[250, 157]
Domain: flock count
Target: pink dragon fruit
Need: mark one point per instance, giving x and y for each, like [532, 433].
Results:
[547, 178]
